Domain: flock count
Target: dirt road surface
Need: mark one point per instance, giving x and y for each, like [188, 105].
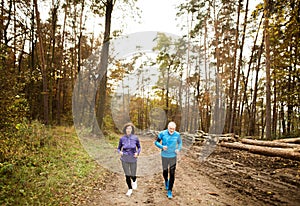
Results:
[227, 177]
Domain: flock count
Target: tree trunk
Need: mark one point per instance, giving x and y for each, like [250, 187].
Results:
[268, 151]
[282, 118]
[216, 115]
[103, 64]
[289, 104]
[235, 113]
[52, 82]
[274, 122]
[270, 143]
[167, 109]
[63, 61]
[42, 64]
[268, 67]
[233, 99]
[245, 100]
[289, 140]
[252, 114]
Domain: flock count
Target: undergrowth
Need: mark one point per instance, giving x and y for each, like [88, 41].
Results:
[45, 166]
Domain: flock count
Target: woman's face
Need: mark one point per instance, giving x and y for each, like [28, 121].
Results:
[128, 130]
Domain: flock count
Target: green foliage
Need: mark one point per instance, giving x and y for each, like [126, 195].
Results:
[113, 139]
[43, 166]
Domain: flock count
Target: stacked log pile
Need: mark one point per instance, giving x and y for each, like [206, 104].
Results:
[285, 148]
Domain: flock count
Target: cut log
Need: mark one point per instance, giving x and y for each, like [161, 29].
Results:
[269, 143]
[289, 140]
[229, 137]
[268, 151]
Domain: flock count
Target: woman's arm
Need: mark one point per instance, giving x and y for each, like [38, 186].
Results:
[138, 145]
[120, 146]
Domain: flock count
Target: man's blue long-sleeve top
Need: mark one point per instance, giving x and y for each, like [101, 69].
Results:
[173, 142]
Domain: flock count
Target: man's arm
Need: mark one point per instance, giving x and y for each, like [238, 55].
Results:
[157, 142]
[179, 142]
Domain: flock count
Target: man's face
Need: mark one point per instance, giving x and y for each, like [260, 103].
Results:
[171, 129]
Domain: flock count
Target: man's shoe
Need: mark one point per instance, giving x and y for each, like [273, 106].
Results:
[170, 196]
[129, 192]
[134, 185]
[167, 184]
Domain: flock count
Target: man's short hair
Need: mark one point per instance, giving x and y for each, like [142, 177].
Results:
[172, 124]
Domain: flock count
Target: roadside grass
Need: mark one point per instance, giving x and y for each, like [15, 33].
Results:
[46, 166]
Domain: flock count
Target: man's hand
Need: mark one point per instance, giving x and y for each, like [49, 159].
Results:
[165, 148]
[121, 153]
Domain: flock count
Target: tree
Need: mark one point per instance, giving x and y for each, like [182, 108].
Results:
[169, 59]
[43, 64]
[268, 73]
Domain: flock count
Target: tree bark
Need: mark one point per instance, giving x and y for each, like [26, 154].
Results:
[289, 140]
[238, 75]
[233, 99]
[245, 100]
[269, 143]
[268, 151]
[268, 68]
[42, 64]
[252, 114]
[103, 64]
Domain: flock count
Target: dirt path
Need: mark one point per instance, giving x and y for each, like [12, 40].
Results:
[189, 189]
[227, 177]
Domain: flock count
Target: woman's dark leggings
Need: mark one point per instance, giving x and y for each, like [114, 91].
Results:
[130, 172]
[169, 164]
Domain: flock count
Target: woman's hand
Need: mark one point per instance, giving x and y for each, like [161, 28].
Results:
[121, 153]
[135, 155]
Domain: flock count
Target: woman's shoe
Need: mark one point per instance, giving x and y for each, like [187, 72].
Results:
[129, 192]
[134, 185]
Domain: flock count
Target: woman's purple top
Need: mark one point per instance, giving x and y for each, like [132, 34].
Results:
[129, 145]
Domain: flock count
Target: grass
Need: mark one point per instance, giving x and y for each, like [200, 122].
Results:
[46, 166]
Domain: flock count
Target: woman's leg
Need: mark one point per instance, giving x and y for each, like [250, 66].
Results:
[126, 168]
[133, 167]
[128, 181]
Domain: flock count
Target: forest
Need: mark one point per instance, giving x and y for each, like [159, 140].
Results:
[235, 70]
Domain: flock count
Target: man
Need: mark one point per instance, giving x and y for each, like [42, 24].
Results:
[170, 143]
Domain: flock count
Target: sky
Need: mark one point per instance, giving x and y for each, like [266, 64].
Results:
[156, 15]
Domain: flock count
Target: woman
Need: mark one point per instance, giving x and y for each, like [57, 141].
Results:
[129, 148]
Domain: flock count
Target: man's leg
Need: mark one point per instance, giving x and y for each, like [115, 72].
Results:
[172, 172]
[165, 164]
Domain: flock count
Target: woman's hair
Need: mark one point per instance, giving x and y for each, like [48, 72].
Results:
[127, 125]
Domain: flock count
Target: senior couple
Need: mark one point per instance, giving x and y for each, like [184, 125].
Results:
[170, 143]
